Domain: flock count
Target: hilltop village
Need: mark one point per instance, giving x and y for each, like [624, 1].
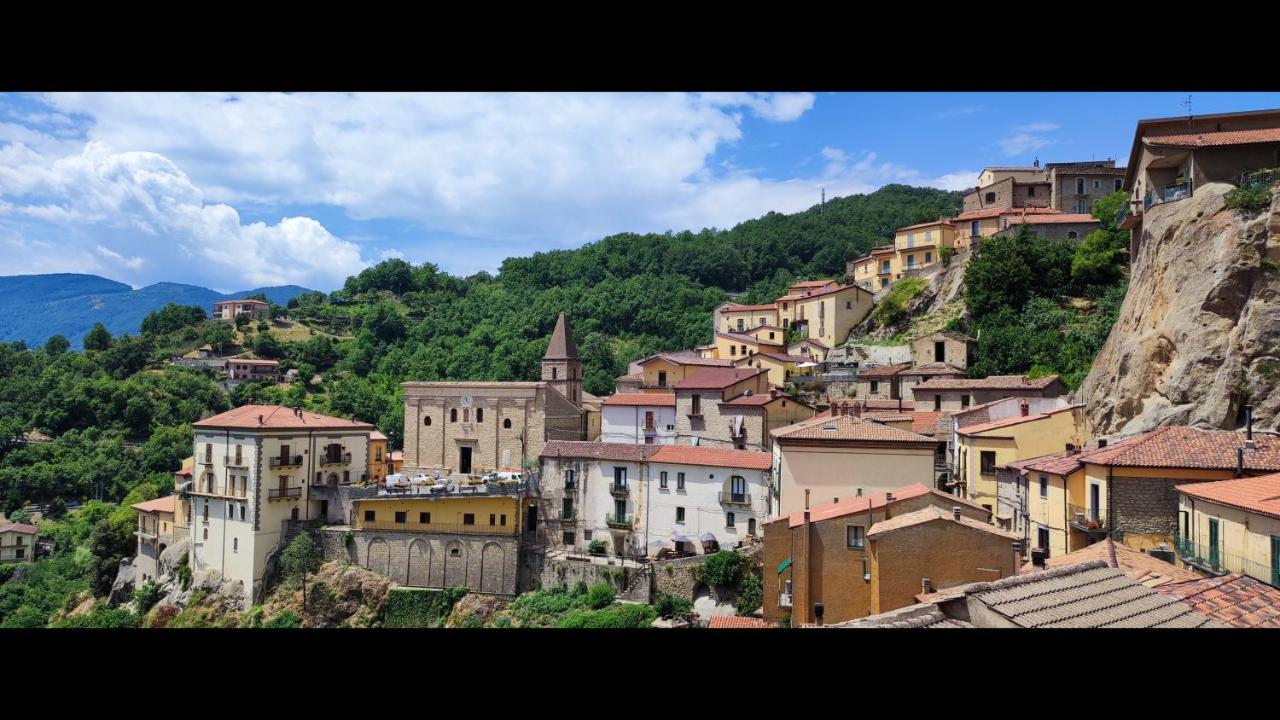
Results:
[844, 482]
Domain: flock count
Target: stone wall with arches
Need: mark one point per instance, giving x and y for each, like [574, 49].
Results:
[480, 563]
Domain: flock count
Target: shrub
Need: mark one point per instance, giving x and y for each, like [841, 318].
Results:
[286, 619]
[722, 569]
[414, 608]
[6, 572]
[892, 308]
[146, 596]
[945, 255]
[1248, 201]
[670, 606]
[300, 557]
[162, 616]
[614, 617]
[253, 618]
[750, 595]
[596, 547]
[600, 596]
[347, 538]
[184, 572]
[101, 618]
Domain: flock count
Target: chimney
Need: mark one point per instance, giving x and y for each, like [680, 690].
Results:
[1248, 424]
[1239, 462]
[1024, 408]
[259, 419]
[859, 493]
[1038, 557]
[888, 497]
[956, 512]
[857, 408]
[1017, 555]
[926, 586]
[806, 499]
[1071, 448]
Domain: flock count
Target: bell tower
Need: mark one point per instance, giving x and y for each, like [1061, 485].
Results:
[561, 366]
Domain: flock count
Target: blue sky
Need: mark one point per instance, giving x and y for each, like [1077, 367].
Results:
[234, 191]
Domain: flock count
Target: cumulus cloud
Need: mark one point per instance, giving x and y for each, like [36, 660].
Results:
[1026, 138]
[133, 263]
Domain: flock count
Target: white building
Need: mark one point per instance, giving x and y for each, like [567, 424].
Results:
[257, 467]
[639, 498]
[639, 418]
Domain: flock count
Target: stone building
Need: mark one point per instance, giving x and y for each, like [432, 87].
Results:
[954, 394]
[944, 346]
[156, 532]
[474, 427]
[733, 408]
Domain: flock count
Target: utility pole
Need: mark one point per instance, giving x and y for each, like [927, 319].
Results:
[822, 209]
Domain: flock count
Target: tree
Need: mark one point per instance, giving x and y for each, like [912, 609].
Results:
[266, 345]
[218, 335]
[20, 516]
[56, 345]
[302, 556]
[242, 319]
[99, 338]
[171, 318]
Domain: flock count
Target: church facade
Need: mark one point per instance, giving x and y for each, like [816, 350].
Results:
[476, 427]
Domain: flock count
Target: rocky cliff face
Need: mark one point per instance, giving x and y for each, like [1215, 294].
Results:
[941, 301]
[1198, 335]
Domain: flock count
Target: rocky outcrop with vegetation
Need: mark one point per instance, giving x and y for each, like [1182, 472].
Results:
[1198, 334]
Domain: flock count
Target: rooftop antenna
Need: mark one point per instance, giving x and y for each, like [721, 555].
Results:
[1187, 104]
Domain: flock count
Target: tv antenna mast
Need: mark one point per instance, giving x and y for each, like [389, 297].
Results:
[1187, 104]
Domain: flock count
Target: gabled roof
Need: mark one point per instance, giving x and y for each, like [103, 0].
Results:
[1234, 599]
[276, 417]
[883, 249]
[633, 377]
[936, 368]
[924, 225]
[561, 346]
[860, 504]
[833, 291]
[847, 428]
[948, 333]
[759, 399]
[783, 357]
[717, 378]
[687, 360]
[19, 528]
[1216, 139]
[811, 283]
[714, 457]
[159, 505]
[1084, 595]
[934, 513]
[1256, 494]
[242, 302]
[623, 452]
[1141, 567]
[1010, 421]
[734, 307]
[994, 382]
[1044, 219]
[1186, 447]
[738, 622]
[748, 339]
[811, 341]
[997, 212]
[641, 400]
[913, 616]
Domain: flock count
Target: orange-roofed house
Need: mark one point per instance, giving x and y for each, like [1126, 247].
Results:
[733, 317]
[640, 499]
[872, 553]
[156, 532]
[18, 542]
[229, 309]
[920, 246]
[1056, 226]
[258, 467]
[1173, 158]
[952, 394]
[379, 451]
[781, 366]
[660, 372]
[1232, 526]
[732, 408]
[248, 370]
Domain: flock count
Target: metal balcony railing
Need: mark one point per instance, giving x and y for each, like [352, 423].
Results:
[343, 459]
[618, 489]
[1087, 519]
[729, 498]
[240, 462]
[619, 522]
[475, 529]
[279, 462]
[568, 516]
[1215, 560]
[292, 493]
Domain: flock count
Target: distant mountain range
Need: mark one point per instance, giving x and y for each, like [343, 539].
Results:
[35, 307]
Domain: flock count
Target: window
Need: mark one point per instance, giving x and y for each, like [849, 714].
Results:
[620, 477]
[506, 423]
[1097, 184]
[1031, 191]
[569, 479]
[679, 514]
[1079, 186]
[1042, 539]
[770, 334]
[401, 517]
[855, 536]
[206, 511]
[973, 228]
[697, 404]
[568, 538]
[937, 402]
[479, 415]
[988, 461]
[733, 350]
[235, 544]
[1044, 486]
[466, 415]
[679, 481]
[426, 421]
[20, 553]
[242, 507]
[875, 386]
[455, 551]
[991, 197]
[662, 378]
[662, 479]
[424, 518]
[370, 515]
[728, 520]
[964, 401]
[206, 533]
[453, 414]
[1119, 183]
[928, 257]
[1082, 206]
[469, 519]
[493, 519]
[208, 452]
[741, 324]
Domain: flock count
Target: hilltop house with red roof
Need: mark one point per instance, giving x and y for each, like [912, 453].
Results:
[640, 499]
[732, 408]
[18, 542]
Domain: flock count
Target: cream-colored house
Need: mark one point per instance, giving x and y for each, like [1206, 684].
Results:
[155, 533]
[781, 367]
[1232, 526]
[18, 542]
[258, 467]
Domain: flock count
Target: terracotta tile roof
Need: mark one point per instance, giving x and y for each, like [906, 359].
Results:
[19, 528]
[1235, 599]
[748, 339]
[275, 417]
[1042, 219]
[994, 382]
[188, 466]
[887, 404]
[948, 334]
[885, 416]
[811, 283]
[241, 302]
[997, 212]
[881, 250]
[1256, 494]
[627, 452]
[928, 224]
[811, 341]
[737, 622]
[641, 400]
[783, 357]
[913, 616]
[1186, 447]
[396, 455]
[1141, 567]
[1010, 421]
[734, 307]
[633, 377]
[1057, 464]
[931, 514]
[878, 371]
[834, 290]
[937, 368]
[248, 361]
[854, 505]
[791, 297]
[714, 457]
[1083, 595]
[923, 421]
[848, 428]
[164, 505]
[717, 378]
[687, 360]
[1211, 139]
[759, 399]
[375, 435]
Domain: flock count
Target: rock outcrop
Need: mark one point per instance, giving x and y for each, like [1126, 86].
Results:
[1198, 334]
[940, 302]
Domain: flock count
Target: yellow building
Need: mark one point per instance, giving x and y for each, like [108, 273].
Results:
[659, 373]
[831, 313]
[732, 317]
[1045, 500]
[884, 261]
[920, 245]
[378, 452]
[731, 346]
[1232, 526]
[481, 514]
[862, 272]
[815, 350]
[981, 448]
[781, 367]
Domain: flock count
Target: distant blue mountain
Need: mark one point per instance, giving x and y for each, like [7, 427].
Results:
[35, 307]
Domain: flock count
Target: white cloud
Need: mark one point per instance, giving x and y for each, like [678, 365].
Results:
[132, 263]
[1026, 138]
[391, 253]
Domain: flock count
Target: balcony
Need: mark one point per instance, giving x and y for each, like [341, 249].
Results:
[146, 535]
[240, 462]
[343, 459]
[568, 516]
[619, 522]
[453, 528]
[735, 499]
[1213, 560]
[1088, 520]
[283, 462]
[292, 493]
[618, 489]
[206, 460]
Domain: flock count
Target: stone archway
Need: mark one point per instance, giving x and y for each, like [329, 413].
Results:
[418, 571]
[377, 556]
[492, 567]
